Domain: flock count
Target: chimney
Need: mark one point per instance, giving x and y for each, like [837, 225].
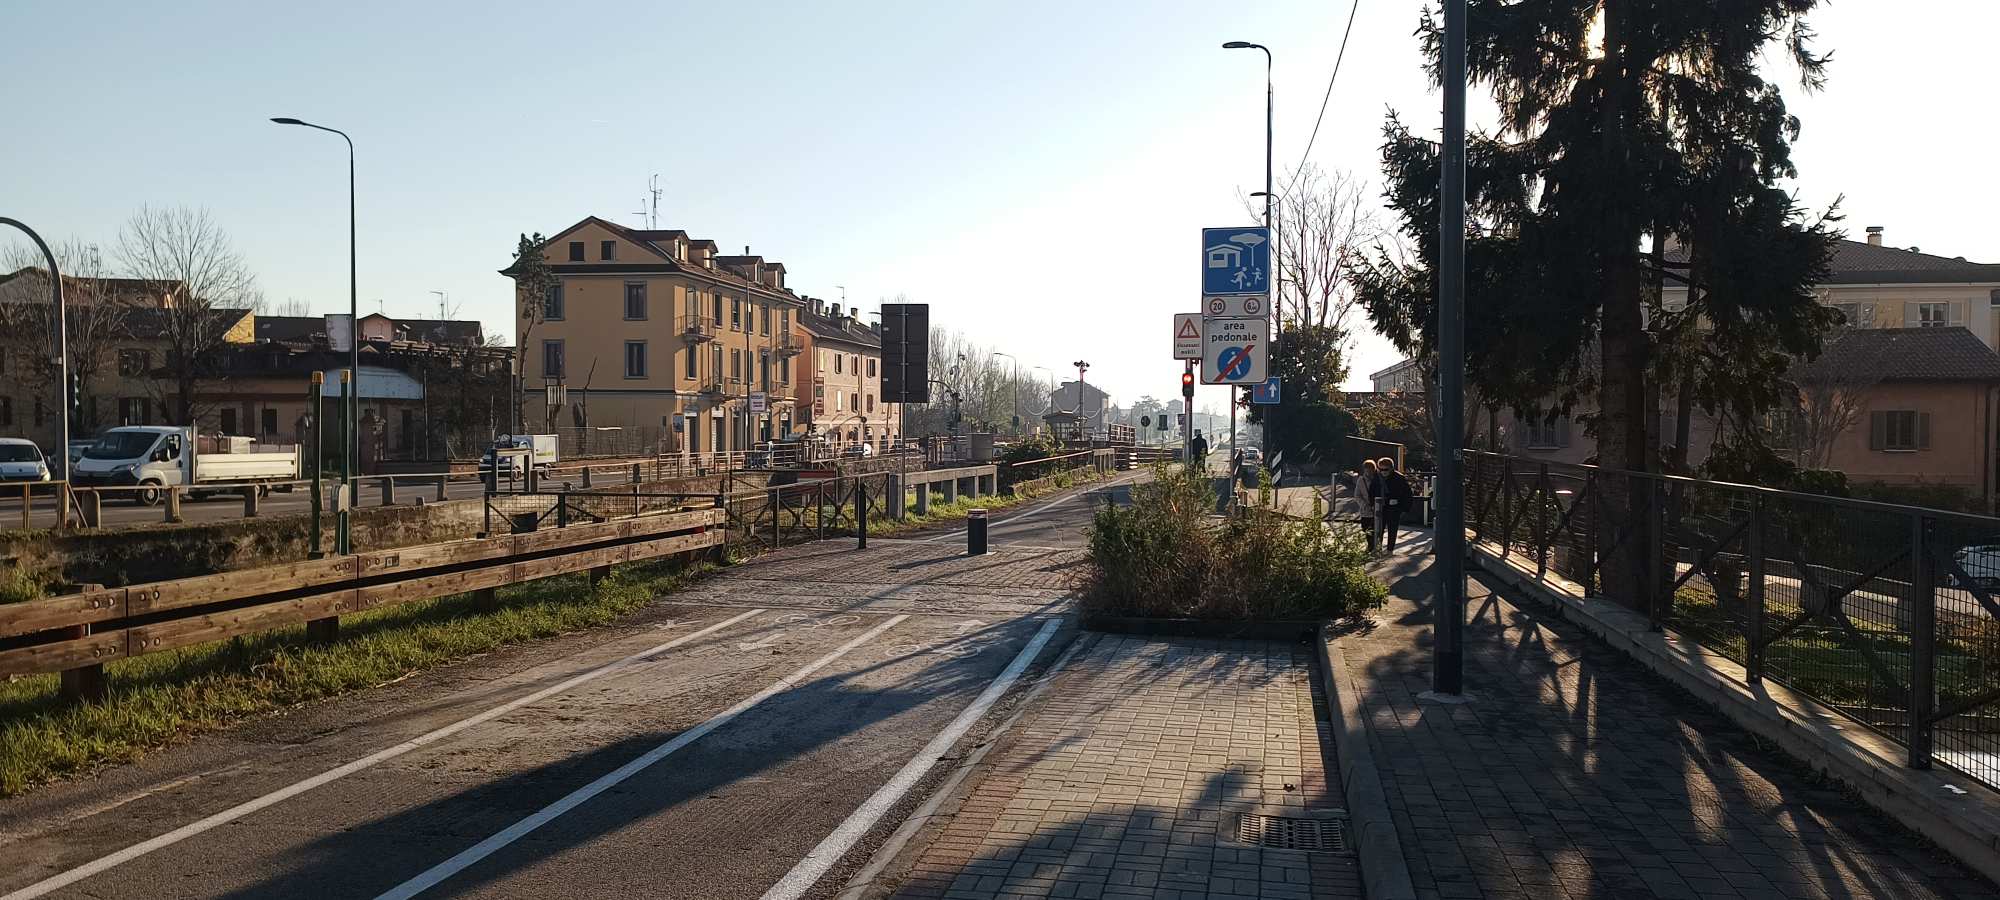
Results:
[1874, 235]
[836, 311]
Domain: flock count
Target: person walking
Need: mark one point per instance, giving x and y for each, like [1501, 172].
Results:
[1199, 448]
[1367, 487]
[1396, 497]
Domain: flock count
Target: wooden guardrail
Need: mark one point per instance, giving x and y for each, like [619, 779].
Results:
[78, 633]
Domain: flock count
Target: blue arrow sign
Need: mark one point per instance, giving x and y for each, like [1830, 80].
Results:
[1235, 261]
[1267, 393]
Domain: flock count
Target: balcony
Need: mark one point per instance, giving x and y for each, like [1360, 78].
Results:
[788, 345]
[713, 386]
[697, 329]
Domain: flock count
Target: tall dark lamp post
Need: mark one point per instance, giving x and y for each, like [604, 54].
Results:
[1449, 544]
[61, 355]
[350, 449]
[1268, 198]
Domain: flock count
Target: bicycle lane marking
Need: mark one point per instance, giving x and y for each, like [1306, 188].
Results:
[468, 857]
[104, 863]
[809, 870]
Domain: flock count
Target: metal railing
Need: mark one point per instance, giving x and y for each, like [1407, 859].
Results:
[1886, 613]
[698, 328]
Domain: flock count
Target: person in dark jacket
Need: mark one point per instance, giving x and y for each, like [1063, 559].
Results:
[1199, 448]
[1396, 498]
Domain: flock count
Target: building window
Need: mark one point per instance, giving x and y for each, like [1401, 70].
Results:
[552, 304]
[785, 315]
[576, 251]
[607, 250]
[635, 300]
[693, 303]
[764, 370]
[871, 402]
[1931, 315]
[134, 363]
[1899, 430]
[871, 367]
[839, 402]
[692, 362]
[270, 421]
[131, 411]
[784, 371]
[1546, 435]
[735, 365]
[635, 359]
[718, 309]
[552, 359]
[854, 402]
[837, 364]
[228, 417]
[764, 319]
[736, 313]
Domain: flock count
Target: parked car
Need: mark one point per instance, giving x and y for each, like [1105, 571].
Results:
[76, 449]
[21, 460]
[1253, 456]
[1982, 563]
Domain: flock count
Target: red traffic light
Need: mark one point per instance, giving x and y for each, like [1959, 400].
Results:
[1187, 384]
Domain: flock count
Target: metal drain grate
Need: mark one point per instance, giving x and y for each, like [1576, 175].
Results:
[1327, 835]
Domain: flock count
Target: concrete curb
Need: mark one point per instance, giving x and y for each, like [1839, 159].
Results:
[1385, 874]
[951, 792]
[1964, 822]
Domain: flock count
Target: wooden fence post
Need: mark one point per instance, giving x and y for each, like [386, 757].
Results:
[173, 505]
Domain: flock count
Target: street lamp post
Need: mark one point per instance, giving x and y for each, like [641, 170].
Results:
[61, 355]
[350, 449]
[1082, 415]
[1269, 108]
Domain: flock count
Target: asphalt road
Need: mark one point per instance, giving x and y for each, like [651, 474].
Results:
[757, 736]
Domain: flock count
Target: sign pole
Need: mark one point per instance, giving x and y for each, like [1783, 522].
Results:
[1449, 542]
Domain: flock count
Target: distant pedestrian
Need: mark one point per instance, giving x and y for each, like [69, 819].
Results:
[1367, 493]
[1199, 449]
[1396, 497]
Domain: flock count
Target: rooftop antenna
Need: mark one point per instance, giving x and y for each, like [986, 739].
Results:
[443, 314]
[653, 187]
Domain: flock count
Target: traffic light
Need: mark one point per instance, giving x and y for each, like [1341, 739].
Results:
[1187, 385]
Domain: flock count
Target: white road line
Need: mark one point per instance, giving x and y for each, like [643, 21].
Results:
[240, 810]
[815, 865]
[438, 873]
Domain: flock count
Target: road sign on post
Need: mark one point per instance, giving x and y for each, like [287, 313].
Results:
[1235, 351]
[1234, 306]
[1187, 335]
[1267, 392]
[759, 402]
[1235, 261]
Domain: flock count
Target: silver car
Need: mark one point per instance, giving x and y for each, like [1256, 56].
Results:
[1981, 563]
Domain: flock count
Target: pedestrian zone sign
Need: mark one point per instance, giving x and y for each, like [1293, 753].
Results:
[1235, 351]
[1235, 261]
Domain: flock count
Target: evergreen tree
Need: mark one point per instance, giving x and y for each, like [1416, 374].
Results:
[1620, 120]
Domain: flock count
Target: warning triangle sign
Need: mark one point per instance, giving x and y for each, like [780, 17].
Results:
[1188, 329]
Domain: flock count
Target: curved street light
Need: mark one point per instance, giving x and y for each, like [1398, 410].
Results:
[61, 354]
[350, 449]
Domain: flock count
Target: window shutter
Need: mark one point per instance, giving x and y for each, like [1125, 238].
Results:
[1957, 313]
[1913, 315]
[1878, 427]
[1923, 431]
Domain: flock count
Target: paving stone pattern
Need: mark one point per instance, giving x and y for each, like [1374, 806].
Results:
[1119, 781]
[1576, 773]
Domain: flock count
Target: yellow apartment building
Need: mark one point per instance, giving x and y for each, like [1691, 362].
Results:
[653, 328]
[843, 367]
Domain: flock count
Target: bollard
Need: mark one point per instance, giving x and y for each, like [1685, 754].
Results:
[173, 504]
[443, 482]
[975, 532]
[860, 514]
[62, 507]
[91, 504]
[586, 476]
[635, 474]
[924, 499]
[250, 498]
[388, 492]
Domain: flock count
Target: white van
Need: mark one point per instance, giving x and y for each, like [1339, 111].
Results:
[155, 457]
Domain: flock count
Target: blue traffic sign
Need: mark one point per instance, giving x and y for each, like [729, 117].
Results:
[1267, 392]
[1235, 261]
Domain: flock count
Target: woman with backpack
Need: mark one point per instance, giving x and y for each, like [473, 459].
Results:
[1367, 490]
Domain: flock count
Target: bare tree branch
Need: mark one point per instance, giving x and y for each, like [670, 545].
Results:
[186, 259]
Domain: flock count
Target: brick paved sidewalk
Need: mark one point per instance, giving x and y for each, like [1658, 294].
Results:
[1576, 773]
[1121, 781]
